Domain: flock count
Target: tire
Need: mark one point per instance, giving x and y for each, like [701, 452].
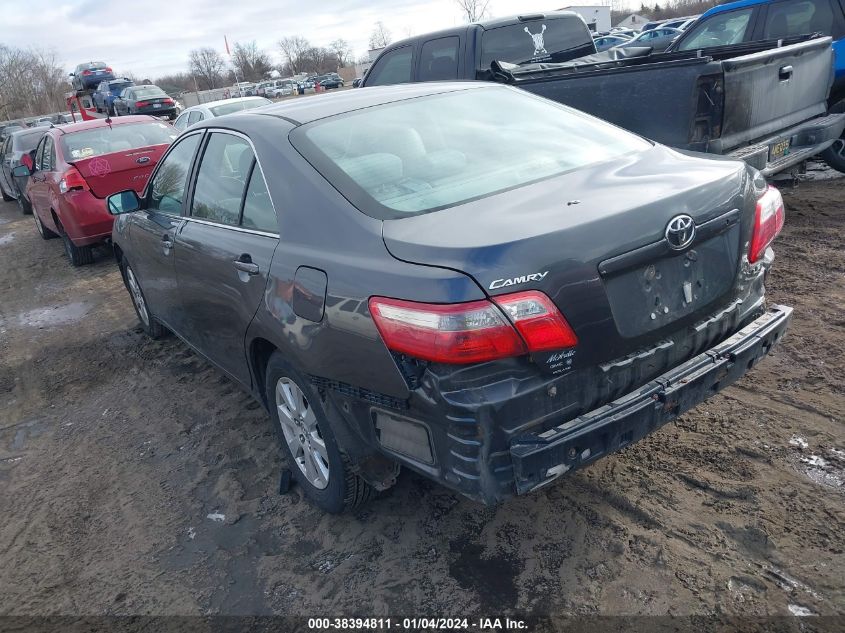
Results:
[835, 154]
[6, 197]
[43, 231]
[325, 475]
[151, 326]
[78, 255]
[24, 204]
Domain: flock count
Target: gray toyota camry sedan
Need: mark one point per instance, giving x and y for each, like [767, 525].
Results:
[467, 280]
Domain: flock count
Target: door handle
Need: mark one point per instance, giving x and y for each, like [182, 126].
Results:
[245, 265]
[166, 243]
[785, 73]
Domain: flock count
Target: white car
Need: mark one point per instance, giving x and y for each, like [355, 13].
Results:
[197, 113]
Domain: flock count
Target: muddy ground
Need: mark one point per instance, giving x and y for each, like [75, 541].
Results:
[135, 479]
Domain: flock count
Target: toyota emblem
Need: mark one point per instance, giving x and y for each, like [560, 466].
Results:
[680, 232]
[143, 160]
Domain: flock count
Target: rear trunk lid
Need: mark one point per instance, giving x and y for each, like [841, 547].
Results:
[128, 169]
[594, 241]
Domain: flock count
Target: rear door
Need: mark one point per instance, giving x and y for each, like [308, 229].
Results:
[223, 251]
[153, 230]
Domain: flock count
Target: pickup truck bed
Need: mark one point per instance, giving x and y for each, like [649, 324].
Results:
[763, 103]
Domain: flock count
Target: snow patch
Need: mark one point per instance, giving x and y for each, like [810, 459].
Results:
[216, 517]
[6, 239]
[191, 533]
[799, 611]
[50, 317]
[798, 441]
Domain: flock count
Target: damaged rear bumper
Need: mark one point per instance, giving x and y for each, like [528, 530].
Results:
[540, 458]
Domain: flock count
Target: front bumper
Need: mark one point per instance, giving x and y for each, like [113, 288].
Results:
[540, 458]
[805, 141]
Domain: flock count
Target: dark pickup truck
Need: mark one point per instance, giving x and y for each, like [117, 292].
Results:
[763, 102]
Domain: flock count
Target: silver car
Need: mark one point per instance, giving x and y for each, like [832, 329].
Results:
[195, 114]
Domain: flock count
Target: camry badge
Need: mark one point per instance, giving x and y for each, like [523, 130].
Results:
[680, 232]
[143, 160]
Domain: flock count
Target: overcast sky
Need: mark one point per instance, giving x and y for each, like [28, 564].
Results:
[151, 38]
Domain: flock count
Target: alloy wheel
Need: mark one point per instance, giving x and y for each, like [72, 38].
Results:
[137, 296]
[303, 437]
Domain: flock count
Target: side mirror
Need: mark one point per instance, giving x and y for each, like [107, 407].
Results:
[70, 74]
[124, 202]
[21, 171]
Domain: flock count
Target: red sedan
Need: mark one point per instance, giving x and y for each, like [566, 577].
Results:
[78, 166]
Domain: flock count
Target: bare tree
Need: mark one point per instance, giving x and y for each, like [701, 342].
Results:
[207, 66]
[380, 37]
[342, 51]
[252, 63]
[293, 49]
[31, 82]
[474, 10]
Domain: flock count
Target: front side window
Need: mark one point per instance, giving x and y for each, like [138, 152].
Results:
[798, 17]
[392, 68]
[420, 155]
[39, 154]
[167, 189]
[221, 179]
[722, 29]
[259, 213]
[439, 59]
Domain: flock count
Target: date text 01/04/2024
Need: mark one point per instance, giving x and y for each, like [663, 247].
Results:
[417, 624]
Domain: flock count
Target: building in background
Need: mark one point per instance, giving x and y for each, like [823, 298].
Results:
[597, 17]
[633, 21]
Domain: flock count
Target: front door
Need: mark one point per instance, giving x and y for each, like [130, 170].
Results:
[39, 181]
[223, 252]
[153, 230]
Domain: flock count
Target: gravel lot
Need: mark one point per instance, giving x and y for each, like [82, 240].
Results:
[135, 479]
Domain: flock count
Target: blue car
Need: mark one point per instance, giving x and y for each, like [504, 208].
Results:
[107, 92]
[758, 20]
[88, 76]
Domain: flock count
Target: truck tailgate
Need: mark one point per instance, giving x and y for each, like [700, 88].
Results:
[773, 90]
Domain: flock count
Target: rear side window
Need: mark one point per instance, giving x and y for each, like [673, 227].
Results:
[259, 213]
[439, 59]
[557, 40]
[392, 68]
[221, 179]
[798, 17]
[116, 138]
[722, 29]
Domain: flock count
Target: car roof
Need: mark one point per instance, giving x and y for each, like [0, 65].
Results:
[320, 106]
[211, 104]
[733, 5]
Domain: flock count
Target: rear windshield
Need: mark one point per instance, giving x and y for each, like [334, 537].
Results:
[117, 138]
[149, 92]
[119, 85]
[425, 154]
[238, 106]
[94, 66]
[557, 40]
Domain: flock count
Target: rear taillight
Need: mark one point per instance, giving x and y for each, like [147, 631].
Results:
[86, 72]
[72, 181]
[538, 320]
[472, 332]
[168, 102]
[768, 222]
[142, 104]
[107, 69]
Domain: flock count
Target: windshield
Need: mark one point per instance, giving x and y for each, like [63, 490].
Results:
[425, 154]
[116, 138]
[722, 29]
[556, 40]
[238, 106]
